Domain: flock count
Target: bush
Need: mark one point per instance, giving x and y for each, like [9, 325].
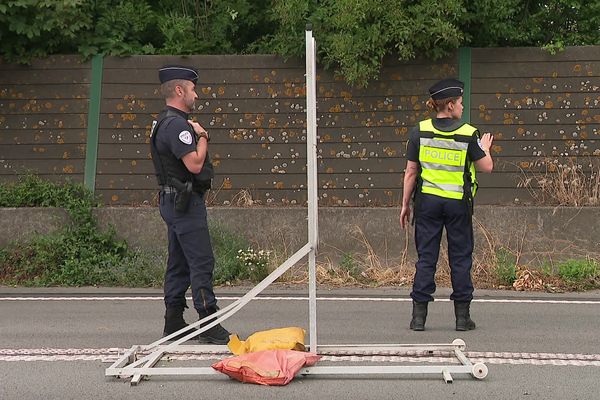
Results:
[79, 254]
[82, 255]
[506, 268]
[578, 271]
[235, 260]
[228, 268]
[354, 36]
[256, 263]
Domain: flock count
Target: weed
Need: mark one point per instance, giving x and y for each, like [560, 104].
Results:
[235, 260]
[506, 266]
[256, 263]
[228, 268]
[348, 263]
[578, 271]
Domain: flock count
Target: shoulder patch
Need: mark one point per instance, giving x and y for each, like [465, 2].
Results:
[185, 137]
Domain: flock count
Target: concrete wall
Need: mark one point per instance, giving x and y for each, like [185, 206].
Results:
[532, 232]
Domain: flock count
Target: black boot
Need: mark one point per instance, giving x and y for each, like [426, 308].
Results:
[419, 315]
[215, 335]
[174, 321]
[463, 317]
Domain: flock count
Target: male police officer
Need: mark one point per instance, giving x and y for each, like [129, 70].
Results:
[443, 154]
[184, 171]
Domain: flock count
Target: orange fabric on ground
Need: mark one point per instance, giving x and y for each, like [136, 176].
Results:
[267, 367]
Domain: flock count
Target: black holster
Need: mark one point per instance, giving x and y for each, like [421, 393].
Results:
[416, 200]
[183, 194]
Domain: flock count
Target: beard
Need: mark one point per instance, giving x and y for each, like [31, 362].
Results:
[190, 104]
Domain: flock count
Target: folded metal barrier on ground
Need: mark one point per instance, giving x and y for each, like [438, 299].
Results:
[140, 361]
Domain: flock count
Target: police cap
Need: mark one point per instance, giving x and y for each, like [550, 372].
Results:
[170, 72]
[446, 88]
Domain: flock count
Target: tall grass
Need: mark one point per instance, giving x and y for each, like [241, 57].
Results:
[571, 182]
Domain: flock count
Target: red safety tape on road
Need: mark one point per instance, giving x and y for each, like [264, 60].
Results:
[518, 358]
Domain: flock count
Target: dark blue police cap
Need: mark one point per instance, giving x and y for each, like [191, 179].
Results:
[170, 72]
[446, 88]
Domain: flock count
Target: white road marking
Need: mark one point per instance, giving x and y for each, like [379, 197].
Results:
[288, 298]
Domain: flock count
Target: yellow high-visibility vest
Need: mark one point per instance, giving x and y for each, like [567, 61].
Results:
[444, 162]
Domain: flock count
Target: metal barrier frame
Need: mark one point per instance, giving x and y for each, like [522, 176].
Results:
[133, 364]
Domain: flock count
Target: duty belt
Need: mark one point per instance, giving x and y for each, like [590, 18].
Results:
[171, 189]
[167, 189]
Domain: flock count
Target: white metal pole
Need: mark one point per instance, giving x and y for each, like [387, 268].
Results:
[311, 171]
[145, 365]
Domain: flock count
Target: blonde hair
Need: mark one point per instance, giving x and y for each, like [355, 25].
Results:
[440, 105]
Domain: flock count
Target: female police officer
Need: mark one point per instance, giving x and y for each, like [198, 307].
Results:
[442, 157]
[184, 171]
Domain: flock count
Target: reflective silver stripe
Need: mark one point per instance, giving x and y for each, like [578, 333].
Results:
[444, 144]
[442, 167]
[447, 88]
[446, 187]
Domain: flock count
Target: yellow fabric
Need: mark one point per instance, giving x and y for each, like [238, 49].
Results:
[291, 338]
[446, 156]
[442, 156]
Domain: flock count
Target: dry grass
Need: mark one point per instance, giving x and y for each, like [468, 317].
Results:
[534, 280]
[496, 264]
[331, 274]
[564, 184]
[368, 269]
[244, 198]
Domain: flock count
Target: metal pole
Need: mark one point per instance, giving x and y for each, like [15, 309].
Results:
[144, 366]
[311, 168]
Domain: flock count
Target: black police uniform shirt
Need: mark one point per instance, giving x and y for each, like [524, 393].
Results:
[474, 151]
[176, 136]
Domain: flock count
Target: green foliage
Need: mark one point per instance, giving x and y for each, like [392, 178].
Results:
[179, 34]
[506, 266]
[79, 254]
[256, 263]
[349, 263]
[578, 270]
[353, 35]
[235, 260]
[359, 35]
[550, 24]
[32, 191]
[225, 246]
[35, 28]
[120, 28]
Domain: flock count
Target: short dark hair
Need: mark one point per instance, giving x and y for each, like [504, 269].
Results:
[167, 89]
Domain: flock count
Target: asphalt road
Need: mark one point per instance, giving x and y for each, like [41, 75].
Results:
[521, 338]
